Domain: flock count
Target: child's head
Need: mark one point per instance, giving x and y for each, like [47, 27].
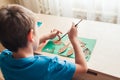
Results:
[15, 24]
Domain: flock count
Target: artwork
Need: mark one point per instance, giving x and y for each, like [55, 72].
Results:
[64, 47]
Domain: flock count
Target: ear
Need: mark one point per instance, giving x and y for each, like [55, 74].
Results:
[30, 36]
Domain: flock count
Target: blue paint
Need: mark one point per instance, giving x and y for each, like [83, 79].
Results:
[39, 23]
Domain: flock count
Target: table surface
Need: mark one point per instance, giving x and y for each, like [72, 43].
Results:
[106, 54]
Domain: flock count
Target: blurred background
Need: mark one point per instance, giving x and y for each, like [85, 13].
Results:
[95, 10]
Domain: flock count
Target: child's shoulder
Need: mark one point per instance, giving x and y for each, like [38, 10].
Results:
[5, 53]
[46, 58]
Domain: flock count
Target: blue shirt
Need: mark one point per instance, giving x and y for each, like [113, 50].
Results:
[36, 67]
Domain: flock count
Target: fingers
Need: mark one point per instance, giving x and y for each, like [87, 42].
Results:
[73, 27]
[73, 32]
[59, 38]
[57, 31]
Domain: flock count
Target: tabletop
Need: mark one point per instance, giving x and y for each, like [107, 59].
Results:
[106, 53]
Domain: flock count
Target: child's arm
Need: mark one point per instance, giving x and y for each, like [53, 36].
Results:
[51, 35]
[81, 65]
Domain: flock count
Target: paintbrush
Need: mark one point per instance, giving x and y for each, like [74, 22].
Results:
[67, 32]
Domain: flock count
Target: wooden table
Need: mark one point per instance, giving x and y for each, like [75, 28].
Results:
[104, 62]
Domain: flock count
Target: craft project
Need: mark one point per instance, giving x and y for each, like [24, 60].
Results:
[64, 47]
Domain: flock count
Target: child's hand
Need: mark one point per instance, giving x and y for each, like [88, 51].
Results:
[72, 34]
[54, 33]
[51, 35]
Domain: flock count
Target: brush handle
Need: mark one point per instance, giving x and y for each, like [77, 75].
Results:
[64, 35]
[78, 23]
[67, 32]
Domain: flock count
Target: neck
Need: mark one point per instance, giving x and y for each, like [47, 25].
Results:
[23, 53]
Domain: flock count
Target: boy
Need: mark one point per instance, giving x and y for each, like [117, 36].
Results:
[19, 34]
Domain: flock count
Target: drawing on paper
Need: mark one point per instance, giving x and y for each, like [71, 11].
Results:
[64, 47]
